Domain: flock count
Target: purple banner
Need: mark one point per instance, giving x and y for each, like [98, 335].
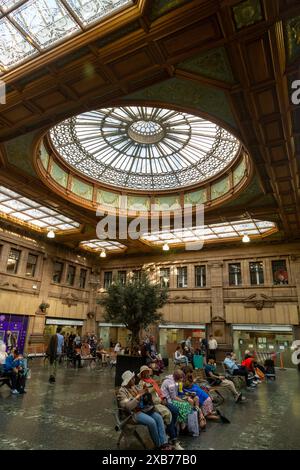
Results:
[17, 324]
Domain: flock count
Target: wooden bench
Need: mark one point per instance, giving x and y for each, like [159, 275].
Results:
[4, 380]
[127, 427]
[213, 390]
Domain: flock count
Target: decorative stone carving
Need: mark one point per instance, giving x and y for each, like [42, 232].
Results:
[70, 299]
[259, 301]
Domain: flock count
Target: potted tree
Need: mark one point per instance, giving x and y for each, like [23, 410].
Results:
[135, 304]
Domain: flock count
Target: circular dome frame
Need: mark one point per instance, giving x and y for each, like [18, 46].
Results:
[169, 152]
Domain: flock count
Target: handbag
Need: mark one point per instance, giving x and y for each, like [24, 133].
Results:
[193, 423]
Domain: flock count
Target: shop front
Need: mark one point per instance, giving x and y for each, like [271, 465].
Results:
[268, 341]
[13, 330]
[114, 333]
[171, 335]
[68, 326]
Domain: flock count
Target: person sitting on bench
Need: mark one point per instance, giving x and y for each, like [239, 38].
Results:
[180, 358]
[131, 398]
[14, 370]
[234, 369]
[214, 379]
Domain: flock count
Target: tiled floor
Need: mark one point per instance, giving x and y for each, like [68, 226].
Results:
[77, 413]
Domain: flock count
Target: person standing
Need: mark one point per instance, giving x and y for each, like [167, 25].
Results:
[54, 352]
[212, 346]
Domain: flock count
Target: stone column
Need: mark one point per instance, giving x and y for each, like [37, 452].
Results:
[36, 342]
[218, 324]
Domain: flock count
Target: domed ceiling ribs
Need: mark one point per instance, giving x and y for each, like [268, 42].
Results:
[144, 148]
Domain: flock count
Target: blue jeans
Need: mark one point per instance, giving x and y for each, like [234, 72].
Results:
[171, 428]
[155, 425]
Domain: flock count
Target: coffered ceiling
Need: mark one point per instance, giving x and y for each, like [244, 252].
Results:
[230, 61]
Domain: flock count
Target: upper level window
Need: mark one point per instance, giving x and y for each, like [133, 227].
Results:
[137, 274]
[182, 277]
[82, 278]
[107, 279]
[31, 265]
[200, 276]
[13, 261]
[235, 274]
[57, 272]
[122, 277]
[256, 273]
[280, 274]
[164, 277]
[71, 275]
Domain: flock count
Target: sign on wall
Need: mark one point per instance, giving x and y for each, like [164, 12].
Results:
[17, 324]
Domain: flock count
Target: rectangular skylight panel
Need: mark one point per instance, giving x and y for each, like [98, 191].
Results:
[29, 202]
[15, 204]
[227, 235]
[190, 239]
[13, 46]
[5, 210]
[248, 232]
[3, 197]
[92, 10]
[63, 218]
[51, 221]
[264, 224]
[151, 238]
[223, 229]
[249, 226]
[9, 192]
[46, 21]
[48, 211]
[39, 223]
[65, 227]
[21, 216]
[35, 213]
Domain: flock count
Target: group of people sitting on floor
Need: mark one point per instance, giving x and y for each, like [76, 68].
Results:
[13, 368]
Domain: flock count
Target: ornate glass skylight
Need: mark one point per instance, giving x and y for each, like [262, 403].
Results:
[220, 231]
[99, 245]
[30, 27]
[144, 148]
[20, 209]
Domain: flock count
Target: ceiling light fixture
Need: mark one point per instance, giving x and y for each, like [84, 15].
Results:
[51, 234]
[166, 247]
[246, 239]
[103, 254]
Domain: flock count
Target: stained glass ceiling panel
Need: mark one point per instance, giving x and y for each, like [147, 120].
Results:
[30, 27]
[144, 148]
[16, 208]
[233, 230]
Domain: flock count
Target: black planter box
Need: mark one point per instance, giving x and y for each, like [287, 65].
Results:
[127, 362]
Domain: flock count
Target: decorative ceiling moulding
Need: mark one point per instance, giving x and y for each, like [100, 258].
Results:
[90, 194]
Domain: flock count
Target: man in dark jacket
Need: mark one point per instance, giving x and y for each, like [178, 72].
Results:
[54, 352]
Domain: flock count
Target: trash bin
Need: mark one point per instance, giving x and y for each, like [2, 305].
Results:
[198, 361]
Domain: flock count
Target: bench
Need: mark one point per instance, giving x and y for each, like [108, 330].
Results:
[4, 380]
[126, 427]
[213, 390]
[238, 381]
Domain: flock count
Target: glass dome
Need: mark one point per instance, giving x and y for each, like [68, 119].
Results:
[144, 148]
